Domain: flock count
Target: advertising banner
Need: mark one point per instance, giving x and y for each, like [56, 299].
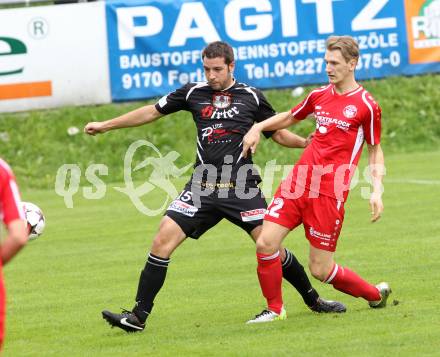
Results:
[423, 24]
[155, 46]
[53, 56]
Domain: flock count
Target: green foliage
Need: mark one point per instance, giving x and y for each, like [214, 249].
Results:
[90, 257]
[39, 144]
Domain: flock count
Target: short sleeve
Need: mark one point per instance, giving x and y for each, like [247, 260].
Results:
[372, 122]
[305, 108]
[174, 101]
[265, 111]
[10, 201]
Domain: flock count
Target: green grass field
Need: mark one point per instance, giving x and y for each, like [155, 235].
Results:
[36, 143]
[91, 255]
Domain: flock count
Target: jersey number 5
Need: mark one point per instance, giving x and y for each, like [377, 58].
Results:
[185, 196]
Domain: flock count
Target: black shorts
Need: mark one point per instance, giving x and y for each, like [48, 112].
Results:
[197, 215]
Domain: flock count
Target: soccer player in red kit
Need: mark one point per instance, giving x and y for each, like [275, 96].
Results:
[315, 191]
[12, 214]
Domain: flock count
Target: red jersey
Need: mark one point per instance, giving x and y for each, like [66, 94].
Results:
[10, 202]
[343, 123]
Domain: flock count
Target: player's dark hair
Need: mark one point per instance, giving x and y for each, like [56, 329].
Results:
[219, 49]
[346, 44]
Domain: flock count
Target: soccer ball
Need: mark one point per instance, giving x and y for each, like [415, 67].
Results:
[35, 220]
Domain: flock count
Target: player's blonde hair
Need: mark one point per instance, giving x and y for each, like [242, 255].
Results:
[346, 44]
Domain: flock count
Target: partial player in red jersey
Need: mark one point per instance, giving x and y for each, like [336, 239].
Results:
[315, 191]
[12, 214]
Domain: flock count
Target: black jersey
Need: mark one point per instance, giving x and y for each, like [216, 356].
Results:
[222, 119]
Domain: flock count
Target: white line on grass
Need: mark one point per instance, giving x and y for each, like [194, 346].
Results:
[413, 181]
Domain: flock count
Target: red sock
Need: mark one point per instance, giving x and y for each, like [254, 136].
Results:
[347, 281]
[270, 276]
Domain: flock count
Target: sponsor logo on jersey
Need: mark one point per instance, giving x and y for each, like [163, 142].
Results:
[253, 215]
[322, 120]
[210, 112]
[350, 111]
[216, 134]
[208, 131]
[314, 233]
[221, 100]
[183, 208]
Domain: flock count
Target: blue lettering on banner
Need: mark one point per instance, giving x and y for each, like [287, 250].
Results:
[155, 46]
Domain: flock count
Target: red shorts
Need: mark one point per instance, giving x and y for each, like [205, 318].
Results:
[321, 217]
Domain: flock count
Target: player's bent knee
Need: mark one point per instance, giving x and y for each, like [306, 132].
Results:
[318, 271]
[265, 245]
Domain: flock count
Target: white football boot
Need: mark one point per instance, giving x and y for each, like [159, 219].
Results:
[385, 291]
[268, 316]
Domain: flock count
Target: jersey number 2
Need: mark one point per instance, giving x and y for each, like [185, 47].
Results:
[275, 205]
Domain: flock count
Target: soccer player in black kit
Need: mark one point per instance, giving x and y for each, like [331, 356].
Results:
[223, 111]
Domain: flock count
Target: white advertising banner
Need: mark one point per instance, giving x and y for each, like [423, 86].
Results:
[53, 56]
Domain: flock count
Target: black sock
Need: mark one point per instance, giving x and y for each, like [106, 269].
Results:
[294, 273]
[150, 282]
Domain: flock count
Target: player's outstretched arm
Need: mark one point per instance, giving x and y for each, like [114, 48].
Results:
[276, 122]
[288, 139]
[377, 169]
[143, 115]
[15, 240]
